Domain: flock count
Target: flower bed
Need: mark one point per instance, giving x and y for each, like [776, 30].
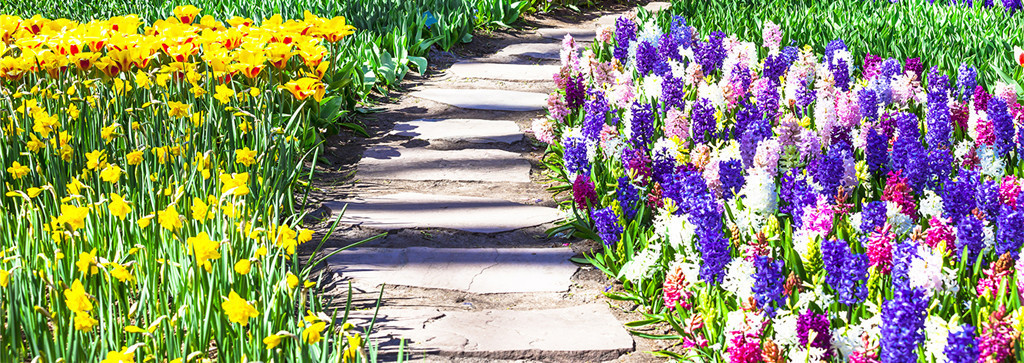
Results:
[149, 170]
[773, 204]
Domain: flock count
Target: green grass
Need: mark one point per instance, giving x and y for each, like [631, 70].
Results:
[940, 35]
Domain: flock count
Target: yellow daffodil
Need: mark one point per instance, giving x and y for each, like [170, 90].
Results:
[87, 263]
[237, 184]
[76, 298]
[245, 156]
[169, 218]
[17, 170]
[243, 266]
[200, 210]
[84, 322]
[122, 356]
[111, 174]
[238, 310]
[73, 216]
[223, 93]
[118, 206]
[204, 249]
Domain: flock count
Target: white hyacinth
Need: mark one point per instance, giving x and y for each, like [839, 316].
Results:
[739, 278]
[931, 205]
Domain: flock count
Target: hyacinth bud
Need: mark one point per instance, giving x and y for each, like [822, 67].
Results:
[770, 353]
[792, 284]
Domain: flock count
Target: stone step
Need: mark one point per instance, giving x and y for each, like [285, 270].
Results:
[548, 51]
[474, 270]
[474, 131]
[416, 210]
[504, 71]
[486, 99]
[416, 163]
[658, 6]
[579, 34]
[586, 333]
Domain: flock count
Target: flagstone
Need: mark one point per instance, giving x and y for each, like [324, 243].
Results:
[474, 131]
[417, 163]
[579, 34]
[550, 51]
[504, 71]
[486, 99]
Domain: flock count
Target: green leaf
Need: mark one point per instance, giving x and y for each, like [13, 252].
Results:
[421, 64]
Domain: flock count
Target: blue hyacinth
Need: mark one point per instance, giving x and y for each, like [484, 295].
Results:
[768, 284]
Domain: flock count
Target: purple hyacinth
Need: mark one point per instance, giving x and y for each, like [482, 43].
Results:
[757, 129]
[625, 33]
[637, 164]
[711, 54]
[687, 188]
[958, 195]
[646, 58]
[663, 165]
[828, 170]
[628, 196]
[987, 196]
[790, 54]
[961, 345]
[642, 126]
[730, 173]
[811, 321]
[1002, 122]
[681, 32]
[768, 100]
[938, 117]
[872, 216]
[967, 79]
[795, 194]
[970, 235]
[668, 48]
[872, 66]
[980, 98]
[883, 90]
[704, 125]
[775, 66]
[940, 165]
[876, 152]
[805, 95]
[769, 284]
[596, 113]
[841, 74]
[575, 156]
[673, 92]
[915, 67]
[607, 225]
[575, 92]
[908, 154]
[853, 285]
[890, 68]
[831, 48]
[1010, 232]
[868, 101]
[714, 246]
[833, 257]
[899, 341]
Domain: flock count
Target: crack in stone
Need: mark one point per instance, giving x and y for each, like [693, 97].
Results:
[481, 272]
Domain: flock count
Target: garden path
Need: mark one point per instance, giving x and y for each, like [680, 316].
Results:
[467, 270]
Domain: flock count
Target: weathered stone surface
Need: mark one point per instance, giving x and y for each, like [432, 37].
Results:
[415, 210]
[475, 131]
[587, 333]
[657, 6]
[532, 50]
[580, 35]
[486, 99]
[475, 270]
[504, 71]
[607, 20]
[415, 163]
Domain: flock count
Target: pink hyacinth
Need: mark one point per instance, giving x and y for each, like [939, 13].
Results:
[1005, 92]
[986, 133]
[744, 348]
[622, 92]
[604, 34]
[677, 124]
[608, 134]
[897, 190]
[1009, 190]
[768, 154]
[880, 248]
[988, 286]
[818, 218]
[848, 110]
[557, 106]
[543, 130]
[939, 231]
[711, 177]
[568, 53]
[676, 289]
[997, 341]
[771, 35]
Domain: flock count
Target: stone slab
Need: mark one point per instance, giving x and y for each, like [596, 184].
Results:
[504, 71]
[586, 333]
[475, 270]
[486, 99]
[474, 131]
[579, 34]
[657, 6]
[607, 20]
[549, 51]
[416, 163]
[416, 210]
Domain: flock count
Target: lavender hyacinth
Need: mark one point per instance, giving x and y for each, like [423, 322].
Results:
[961, 345]
[832, 47]
[704, 126]
[642, 126]
[940, 165]
[939, 123]
[768, 284]
[890, 68]
[625, 33]
[796, 193]
[768, 99]
[868, 101]
[607, 225]
[853, 285]
[876, 152]
[681, 32]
